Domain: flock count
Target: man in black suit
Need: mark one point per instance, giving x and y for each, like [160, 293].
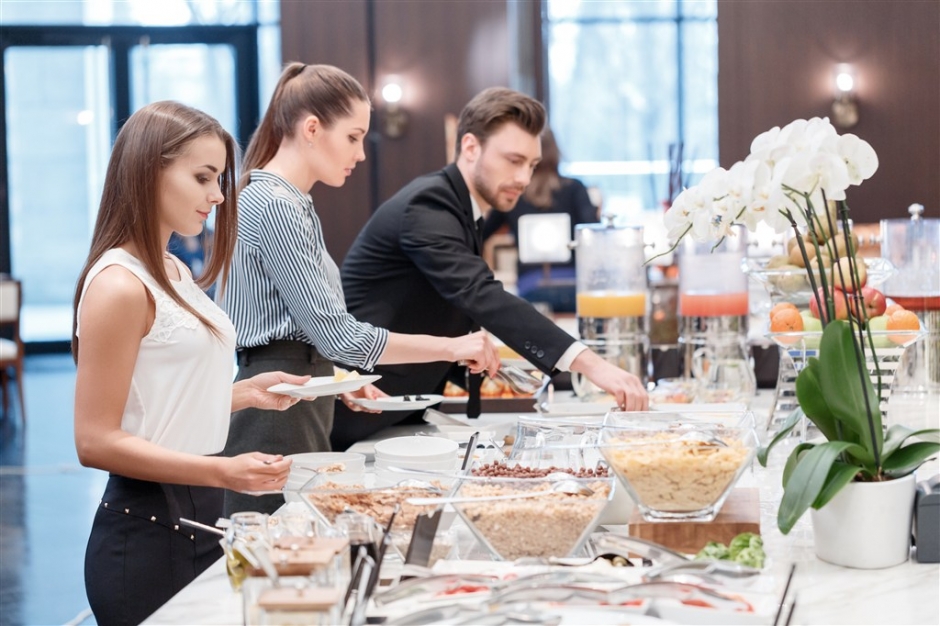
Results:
[416, 267]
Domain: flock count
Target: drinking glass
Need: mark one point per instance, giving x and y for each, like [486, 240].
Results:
[247, 530]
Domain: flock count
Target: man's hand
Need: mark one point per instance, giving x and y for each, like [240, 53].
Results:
[626, 388]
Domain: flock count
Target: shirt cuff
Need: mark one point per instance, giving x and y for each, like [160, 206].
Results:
[567, 358]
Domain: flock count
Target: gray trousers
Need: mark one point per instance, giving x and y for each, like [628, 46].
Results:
[305, 427]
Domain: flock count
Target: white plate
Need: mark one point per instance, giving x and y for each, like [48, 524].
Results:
[323, 386]
[398, 403]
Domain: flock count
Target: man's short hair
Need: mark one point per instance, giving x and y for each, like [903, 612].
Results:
[493, 107]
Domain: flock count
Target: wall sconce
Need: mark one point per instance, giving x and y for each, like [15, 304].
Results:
[844, 107]
[395, 119]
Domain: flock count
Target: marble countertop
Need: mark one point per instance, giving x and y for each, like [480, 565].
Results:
[826, 594]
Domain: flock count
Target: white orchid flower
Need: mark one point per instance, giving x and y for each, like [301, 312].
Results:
[767, 199]
[860, 158]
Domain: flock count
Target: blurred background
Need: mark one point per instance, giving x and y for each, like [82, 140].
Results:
[644, 97]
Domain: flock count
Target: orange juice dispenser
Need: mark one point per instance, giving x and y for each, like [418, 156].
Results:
[611, 297]
[913, 248]
[713, 312]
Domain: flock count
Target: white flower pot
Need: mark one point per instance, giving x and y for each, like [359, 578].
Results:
[866, 525]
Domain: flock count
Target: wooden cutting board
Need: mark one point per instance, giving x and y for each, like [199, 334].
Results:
[739, 514]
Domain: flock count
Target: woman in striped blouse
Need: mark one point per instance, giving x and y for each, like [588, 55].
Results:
[285, 296]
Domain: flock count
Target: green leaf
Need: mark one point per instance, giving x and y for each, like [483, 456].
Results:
[839, 476]
[792, 420]
[812, 399]
[898, 434]
[909, 458]
[807, 481]
[793, 459]
[846, 386]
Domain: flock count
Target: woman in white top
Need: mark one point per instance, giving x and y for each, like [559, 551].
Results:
[154, 391]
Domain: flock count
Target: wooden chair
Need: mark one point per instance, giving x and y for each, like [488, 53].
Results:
[11, 350]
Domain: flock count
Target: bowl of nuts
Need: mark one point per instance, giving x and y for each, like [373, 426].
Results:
[677, 469]
[522, 511]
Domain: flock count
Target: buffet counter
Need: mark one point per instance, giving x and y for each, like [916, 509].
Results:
[824, 593]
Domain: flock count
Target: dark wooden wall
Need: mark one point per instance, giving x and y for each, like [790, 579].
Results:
[443, 52]
[776, 59]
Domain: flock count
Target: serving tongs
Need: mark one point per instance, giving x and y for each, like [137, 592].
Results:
[669, 561]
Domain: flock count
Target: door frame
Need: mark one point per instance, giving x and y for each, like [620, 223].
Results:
[119, 40]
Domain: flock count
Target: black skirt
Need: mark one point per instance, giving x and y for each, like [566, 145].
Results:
[138, 555]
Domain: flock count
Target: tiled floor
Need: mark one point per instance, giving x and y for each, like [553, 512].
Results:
[47, 501]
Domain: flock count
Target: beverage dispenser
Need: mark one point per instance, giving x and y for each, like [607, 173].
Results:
[713, 312]
[611, 297]
[913, 247]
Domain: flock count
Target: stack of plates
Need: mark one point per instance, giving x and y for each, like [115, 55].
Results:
[431, 454]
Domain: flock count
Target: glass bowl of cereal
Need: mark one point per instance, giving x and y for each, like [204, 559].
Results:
[536, 511]
[677, 469]
[328, 499]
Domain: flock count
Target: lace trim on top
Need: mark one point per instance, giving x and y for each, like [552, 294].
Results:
[170, 315]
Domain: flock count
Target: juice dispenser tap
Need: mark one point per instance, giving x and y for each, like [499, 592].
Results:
[912, 246]
[611, 297]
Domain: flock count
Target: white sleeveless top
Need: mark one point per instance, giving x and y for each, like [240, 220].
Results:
[181, 391]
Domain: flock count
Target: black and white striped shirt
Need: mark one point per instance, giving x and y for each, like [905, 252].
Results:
[284, 284]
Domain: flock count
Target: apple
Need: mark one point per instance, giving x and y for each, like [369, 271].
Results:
[874, 302]
[811, 325]
[838, 297]
[878, 325]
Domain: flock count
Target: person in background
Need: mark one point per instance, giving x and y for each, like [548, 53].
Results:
[153, 391]
[285, 297]
[548, 192]
[417, 262]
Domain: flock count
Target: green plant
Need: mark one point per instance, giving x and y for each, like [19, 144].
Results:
[788, 173]
[844, 406]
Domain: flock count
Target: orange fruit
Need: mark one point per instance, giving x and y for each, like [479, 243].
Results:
[787, 320]
[892, 308]
[780, 307]
[902, 319]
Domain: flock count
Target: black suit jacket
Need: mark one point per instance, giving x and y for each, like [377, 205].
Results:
[416, 268]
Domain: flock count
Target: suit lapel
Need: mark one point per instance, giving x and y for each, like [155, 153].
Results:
[465, 211]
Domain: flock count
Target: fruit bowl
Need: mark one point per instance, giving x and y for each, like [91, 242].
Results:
[789, 284]
[534, 519]
[677, 470]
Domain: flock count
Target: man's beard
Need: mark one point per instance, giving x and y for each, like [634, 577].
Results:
[491, 196]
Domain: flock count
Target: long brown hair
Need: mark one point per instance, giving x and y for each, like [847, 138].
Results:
[545, 179]
[493, 107]
[322, 90]
[151, 139]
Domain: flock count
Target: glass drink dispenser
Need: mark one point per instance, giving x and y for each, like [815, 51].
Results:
[713, 312]
[913, 248]
[611, 297]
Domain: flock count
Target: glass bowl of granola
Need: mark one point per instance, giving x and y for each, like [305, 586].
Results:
[536, 511]
[677, 469]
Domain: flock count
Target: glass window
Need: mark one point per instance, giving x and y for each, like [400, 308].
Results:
[626, 81]
[58, 141]
[202, 76]
[60, 104]
[130, 12]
